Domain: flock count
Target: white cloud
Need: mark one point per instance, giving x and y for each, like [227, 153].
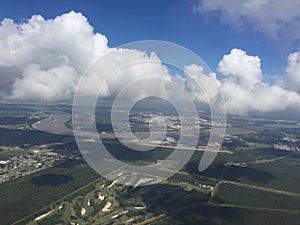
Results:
[292, 79]
[209, 85]
[241, 68]
[245, 92]
[56, 84]
[38, 55]
[42, 60]
[276, 18]
[135, 65]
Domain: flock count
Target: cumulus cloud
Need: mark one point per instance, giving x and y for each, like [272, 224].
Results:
[42, 61]
[202, 87]
[39, 57]
[244, 90]
[292, 79]
[55, 84]
[238, 67]
[135, 65]
[277, 19]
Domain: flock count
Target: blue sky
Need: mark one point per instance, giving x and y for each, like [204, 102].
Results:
[169, 20]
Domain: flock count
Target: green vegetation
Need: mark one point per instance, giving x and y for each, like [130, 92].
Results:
[11, 137]
[207, 214]
[285, 172]
[136, 204]
[24, 196]
[11, 120]
[12, 153]
[256, 184]
[231, 194]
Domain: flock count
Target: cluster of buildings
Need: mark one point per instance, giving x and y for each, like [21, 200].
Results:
[32, 160]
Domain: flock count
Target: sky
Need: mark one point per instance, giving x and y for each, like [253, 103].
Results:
[169, 20]
[252, 46]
